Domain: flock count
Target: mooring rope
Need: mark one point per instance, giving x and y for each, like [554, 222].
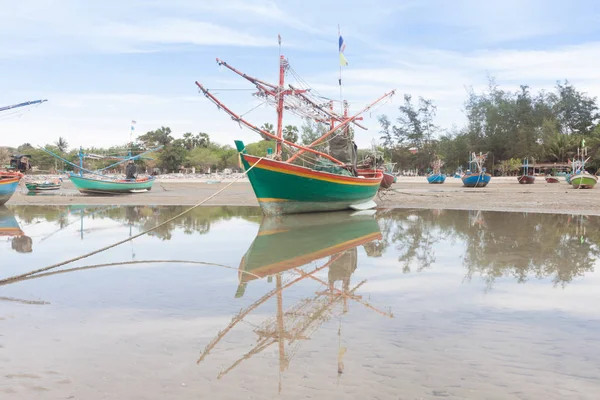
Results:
[121, 263]
[60, 264]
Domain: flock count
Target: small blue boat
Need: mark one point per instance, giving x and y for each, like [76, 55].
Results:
[436, 175]
[476, 175]
[476, 180]
[436, 178]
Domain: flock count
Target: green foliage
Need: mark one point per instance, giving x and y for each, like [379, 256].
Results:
[173, 155]
[259, 149]
[200, 140]
[160, 136]
[508, 167]
[290, 133]
[509, 125]
[268, 127]
[414, 128]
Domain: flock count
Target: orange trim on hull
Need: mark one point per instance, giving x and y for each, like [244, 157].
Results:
[306, 258]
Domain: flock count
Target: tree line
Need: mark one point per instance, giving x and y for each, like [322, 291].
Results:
[508, 125]
[190, 151]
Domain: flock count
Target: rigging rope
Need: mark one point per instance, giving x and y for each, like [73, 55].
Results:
[115, 264]
[60, 264]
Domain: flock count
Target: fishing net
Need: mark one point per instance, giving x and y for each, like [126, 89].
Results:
[326, 165]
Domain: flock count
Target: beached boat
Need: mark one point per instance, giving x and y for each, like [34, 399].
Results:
[106, 186]
[43, 186]
[436, 176]
[388, 180]
[476, 175]
[332, 182]
[9, 181]
[580, 178]
[292, 241]
[367, 170]
[552, 179]
[97, 183]
[528, 176]
[283, 188]
[583, 180]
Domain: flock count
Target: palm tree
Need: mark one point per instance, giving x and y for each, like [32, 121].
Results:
[189, 141]
[290, 133]
[62, 144]
[560, 146]
[269, 128]
[202, 140]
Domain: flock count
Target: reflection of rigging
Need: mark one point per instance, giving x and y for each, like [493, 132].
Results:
[289, 327]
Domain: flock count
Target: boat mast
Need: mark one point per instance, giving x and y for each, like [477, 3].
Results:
[280, 94]
[80, 161]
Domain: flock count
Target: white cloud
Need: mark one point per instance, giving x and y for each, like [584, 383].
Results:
[391, 55]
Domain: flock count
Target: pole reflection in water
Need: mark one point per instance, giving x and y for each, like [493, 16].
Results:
[284, 247]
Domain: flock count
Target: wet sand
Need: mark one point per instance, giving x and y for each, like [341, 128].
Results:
[502, 194]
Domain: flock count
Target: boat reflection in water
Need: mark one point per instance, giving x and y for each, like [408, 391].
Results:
[9, 227]
[281, 250]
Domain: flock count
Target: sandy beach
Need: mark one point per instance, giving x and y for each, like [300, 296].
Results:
[502, 194]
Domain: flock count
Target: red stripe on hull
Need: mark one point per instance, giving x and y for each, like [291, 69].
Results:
[291, 168]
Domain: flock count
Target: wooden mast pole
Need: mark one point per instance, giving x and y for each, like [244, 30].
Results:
[239, 119]
[280, 95]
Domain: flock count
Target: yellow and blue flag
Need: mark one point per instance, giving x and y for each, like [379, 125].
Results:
[342, 47]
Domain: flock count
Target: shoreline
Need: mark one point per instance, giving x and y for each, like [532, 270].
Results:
[502, 194]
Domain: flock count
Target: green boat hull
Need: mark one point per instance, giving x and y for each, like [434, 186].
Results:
[283, 188]
[291, 241]
[96, 186]
[38, 187]
[583, 181]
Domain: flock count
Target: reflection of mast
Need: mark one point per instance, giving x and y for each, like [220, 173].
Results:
[476, 218]
[299, 321]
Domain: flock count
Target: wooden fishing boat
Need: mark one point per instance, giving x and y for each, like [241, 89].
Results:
[294, 240]
[476, 175]
[436, 176]
[43, 186]
[371, 166]
[527, 177]
[106, 186]
[552, 179]
[388, 180]
[332, 182]
[97, 183]
[283, 188]
[583, 180]
[580, 178]
[9, 181]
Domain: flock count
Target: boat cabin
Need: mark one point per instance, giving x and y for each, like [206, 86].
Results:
[20, 162]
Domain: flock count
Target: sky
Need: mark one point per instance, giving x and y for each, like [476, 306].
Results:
[103, 64]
